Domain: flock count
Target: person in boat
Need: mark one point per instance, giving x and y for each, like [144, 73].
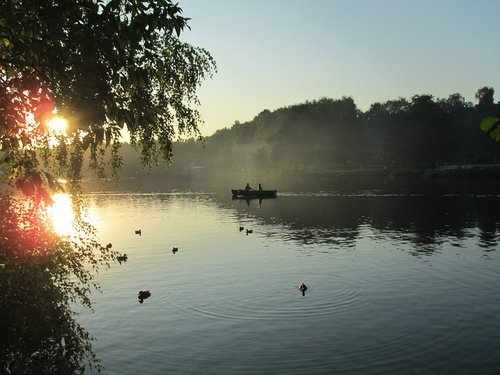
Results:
[248, 187]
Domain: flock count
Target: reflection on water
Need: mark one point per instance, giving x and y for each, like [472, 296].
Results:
[62, 215]
[395, 284]
[422, 220]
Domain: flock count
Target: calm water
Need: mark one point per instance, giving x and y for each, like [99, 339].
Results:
[397, 284]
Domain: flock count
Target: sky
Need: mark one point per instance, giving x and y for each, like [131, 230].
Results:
[276, 53]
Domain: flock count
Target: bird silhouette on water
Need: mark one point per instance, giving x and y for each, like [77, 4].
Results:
[303, 288]
[122, 258]
[249, 231]
[143, 294]
[139, 232]
[175, 249]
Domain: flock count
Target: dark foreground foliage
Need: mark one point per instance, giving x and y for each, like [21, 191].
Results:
[105, 66]
[42, 275]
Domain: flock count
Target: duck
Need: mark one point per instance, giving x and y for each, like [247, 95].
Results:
[143, 294]
[303, 288]
[122, 258]
[139, 232]
[175, 249]
[241, 229]
[249, 231]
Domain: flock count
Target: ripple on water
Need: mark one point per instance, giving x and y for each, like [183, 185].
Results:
[368, 310]
[251, 300]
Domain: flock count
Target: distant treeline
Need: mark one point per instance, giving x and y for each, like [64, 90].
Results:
[332, 135]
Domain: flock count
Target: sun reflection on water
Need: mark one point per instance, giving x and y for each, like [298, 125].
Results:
[62, 215]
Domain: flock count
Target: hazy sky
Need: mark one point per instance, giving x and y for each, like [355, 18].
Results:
[275, 53]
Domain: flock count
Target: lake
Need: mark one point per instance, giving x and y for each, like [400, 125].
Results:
[397, 283]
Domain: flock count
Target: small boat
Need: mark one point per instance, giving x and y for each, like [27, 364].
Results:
[253, 193]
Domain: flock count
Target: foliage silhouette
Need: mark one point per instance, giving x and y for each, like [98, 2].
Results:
[332, 135]
[105, 66]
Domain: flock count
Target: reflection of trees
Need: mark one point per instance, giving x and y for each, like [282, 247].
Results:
[489, 229]
[430, 219]
[422, 221]
[308, 220]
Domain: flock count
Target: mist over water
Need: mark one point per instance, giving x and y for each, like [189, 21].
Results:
[398, 282]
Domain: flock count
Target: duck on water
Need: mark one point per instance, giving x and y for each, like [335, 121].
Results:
[143, 294]
[303, 288]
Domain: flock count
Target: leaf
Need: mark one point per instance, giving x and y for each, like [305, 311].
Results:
[99, 135]
[26, 187]
[43, 195]
[36, 179]
[109, 136]
[86, 142]
[495, 134]
[491, 125]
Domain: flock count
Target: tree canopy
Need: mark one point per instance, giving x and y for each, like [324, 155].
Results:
[332, 135]
[106, 67]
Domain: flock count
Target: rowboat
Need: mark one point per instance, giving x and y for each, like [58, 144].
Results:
[253, 193]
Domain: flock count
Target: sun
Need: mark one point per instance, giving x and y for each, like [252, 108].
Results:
[57, 125]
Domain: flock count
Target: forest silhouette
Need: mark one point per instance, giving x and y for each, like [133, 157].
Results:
[401, 136]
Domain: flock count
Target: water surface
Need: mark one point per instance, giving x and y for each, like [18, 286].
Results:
[397, 283]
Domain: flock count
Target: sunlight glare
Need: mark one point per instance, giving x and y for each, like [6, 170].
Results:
[61, 213]
[62, 216]
[57, 125]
